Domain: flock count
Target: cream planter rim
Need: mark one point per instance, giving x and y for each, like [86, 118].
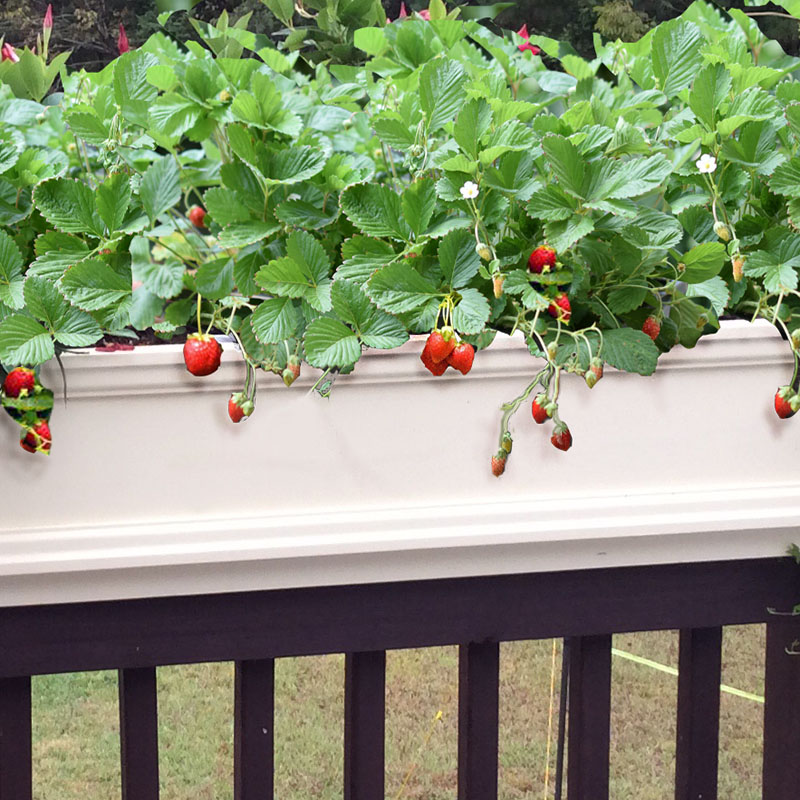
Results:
[151, 491]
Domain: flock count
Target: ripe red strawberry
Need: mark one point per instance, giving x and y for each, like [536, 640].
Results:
[202, 354]
[239, 407]
[499, 463]
[462, 357]
[652, 327]
[430, 364]
[19, 382]
[786, 402]
[560, 307]
[439, 347]
[37, 438]
[197, 216]
[561, 438]
[538, 408]
[542, 259]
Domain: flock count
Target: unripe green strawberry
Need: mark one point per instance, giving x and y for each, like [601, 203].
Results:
[795, 339]
[484, 251]
[552, 351]
[498, 279]
[508, 442]
[723, 231]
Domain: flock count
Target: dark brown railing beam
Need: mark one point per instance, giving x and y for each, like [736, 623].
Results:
[781, 780]
[138, 733]
[478, 708]
[697, 752]
[254, 730]
[364, 725]
[15, 739]
[589, 737]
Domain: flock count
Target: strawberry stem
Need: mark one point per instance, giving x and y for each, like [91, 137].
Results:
[511, 408]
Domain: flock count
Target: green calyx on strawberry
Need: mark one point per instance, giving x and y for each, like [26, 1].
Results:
[539, 409]
[20, 382]
[652, 327]
[239, 406]
[37, 439]
[499, 463]
[542, 259]
[292, 371]
[202, 354]
[462, 357]
[560, 308]
[787, 402]
[561, 438]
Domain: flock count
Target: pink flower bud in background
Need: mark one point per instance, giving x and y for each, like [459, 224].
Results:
[7, 53]
[47, 24]
[425, 14]
[403, 11]
[122, 40]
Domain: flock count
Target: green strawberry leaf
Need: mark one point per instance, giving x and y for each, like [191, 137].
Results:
[11, 280]
[457, 258]
[442, 91]
[24, 341]
[375, 210]
[398, 288]
[330, 343]
[161, 187]
[472, 312]
[69, 205]
[93, 284]
[68, 325]
[113, 198]
[275, 320]
[630, 350]
[374, 327]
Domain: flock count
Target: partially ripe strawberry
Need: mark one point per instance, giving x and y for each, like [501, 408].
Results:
[292, 371]
[542, 259]
[594, 373]
[239, 406]
[560, 307]
[430, 364]
[38, 438]
[197, 216]
[786, 402]
[439, 347]
[561, 438]
[498, 279]
[652, 327]
[19, 382]
[202, 354]
[499, 463]
[538, 410]
[462, 357]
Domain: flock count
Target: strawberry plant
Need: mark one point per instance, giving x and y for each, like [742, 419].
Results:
[426, 176]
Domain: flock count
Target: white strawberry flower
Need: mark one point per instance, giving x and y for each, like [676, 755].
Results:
[469, 191]
[706, 163]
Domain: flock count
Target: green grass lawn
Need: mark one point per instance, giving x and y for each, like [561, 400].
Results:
[76, 748]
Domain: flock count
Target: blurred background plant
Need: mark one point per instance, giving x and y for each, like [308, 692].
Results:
[89, 27]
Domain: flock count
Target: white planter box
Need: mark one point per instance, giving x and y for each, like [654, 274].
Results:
[151, 490]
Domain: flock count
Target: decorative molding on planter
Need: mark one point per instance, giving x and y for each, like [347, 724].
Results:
[152, 491]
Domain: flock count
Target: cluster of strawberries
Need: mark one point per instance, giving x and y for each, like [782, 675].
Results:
[541, 261]
[442, 350]
[202, 354]
[21, 383]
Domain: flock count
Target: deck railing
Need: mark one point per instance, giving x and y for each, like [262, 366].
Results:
[363, 621]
